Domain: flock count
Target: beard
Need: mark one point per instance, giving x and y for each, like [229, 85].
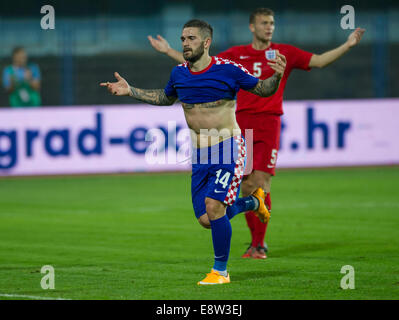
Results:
[196, 55]
[262, 38]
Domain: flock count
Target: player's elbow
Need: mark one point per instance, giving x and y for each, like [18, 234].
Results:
[271, 90]
[170, 102]
[266, 88]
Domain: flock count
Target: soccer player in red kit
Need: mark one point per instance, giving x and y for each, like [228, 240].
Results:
[263, 114]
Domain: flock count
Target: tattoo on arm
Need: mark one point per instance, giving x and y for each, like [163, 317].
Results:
[267, 87]
[152, 96]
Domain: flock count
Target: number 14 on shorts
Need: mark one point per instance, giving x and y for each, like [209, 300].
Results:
[224, 180]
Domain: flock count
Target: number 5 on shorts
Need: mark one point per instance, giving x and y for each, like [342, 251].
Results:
[273, 159]
[223, 180]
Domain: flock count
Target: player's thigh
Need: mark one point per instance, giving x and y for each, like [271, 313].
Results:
[266, 146]
[199, 188]
[264, 151]
[264, 162]
[209, 201]
[211, 189]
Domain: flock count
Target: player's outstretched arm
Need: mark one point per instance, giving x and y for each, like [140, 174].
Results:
[269, 86]
[322, 60]
[161, 45]
[151, 96]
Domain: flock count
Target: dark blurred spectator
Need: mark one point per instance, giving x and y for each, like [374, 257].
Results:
[22, 80]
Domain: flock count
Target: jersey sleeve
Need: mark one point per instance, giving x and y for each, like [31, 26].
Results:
[227, 54]
[244, 79]
[170, 90]
[300, 58]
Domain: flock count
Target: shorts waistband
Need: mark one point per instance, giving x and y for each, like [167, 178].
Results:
[225, 152]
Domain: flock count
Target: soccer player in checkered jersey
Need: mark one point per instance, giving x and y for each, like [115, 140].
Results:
[263, 114]
[207, 87]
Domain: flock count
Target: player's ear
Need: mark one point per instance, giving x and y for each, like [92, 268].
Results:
[207, 43]
[251, 27]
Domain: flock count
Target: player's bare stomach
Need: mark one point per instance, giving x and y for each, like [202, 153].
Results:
[211, 122]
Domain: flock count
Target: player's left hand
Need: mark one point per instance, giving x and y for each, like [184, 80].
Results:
[160, 44]
[355, 36]
[278, 64]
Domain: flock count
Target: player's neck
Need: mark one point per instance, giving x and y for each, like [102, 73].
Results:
[260, 45]
[201, 64]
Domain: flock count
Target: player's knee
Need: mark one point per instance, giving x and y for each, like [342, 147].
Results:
[247, 187]
[211, 207]
[204, 221]
[268, 178]
[262, 180]
[257, 179]
[214, 208]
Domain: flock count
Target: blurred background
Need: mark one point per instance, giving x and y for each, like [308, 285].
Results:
[341, 115]
[130, 236]
[92, 39]
[111, 235]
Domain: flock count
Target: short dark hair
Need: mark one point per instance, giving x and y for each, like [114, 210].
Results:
[17, 50]
[204, 27]
[260, 11]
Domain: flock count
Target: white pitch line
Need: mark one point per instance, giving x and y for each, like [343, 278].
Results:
[29, 297]
[339, 205]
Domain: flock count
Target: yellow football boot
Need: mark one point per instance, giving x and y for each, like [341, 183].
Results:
[214, 278]
[262, 213]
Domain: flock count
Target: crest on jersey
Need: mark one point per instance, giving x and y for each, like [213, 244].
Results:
[270, 54]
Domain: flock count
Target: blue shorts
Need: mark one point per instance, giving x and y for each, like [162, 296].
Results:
[217, 173]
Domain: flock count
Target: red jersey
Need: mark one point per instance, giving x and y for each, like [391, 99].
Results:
[255, 62]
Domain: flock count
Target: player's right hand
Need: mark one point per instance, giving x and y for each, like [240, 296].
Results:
[355, 36]
[119, 88]
[278, 64]
[160, 44]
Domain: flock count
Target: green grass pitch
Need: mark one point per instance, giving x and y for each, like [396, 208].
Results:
[136, 237]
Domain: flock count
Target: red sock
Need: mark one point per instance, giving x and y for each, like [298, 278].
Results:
[268, 202]
[259, 234]
[260, 227]
[251, 220]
